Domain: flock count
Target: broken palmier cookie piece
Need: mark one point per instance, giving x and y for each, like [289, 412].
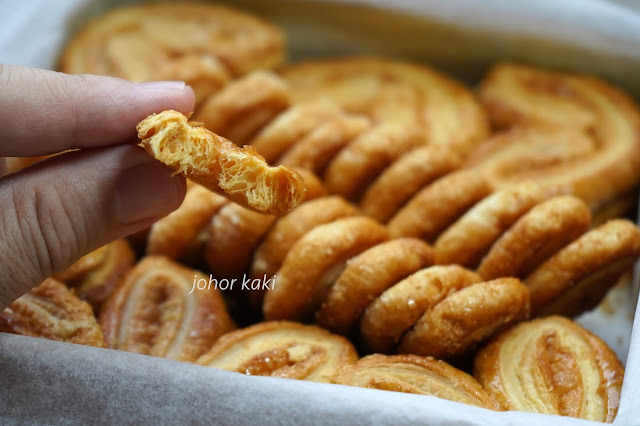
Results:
[282, 349]
[552, 366]
[219, 165]
[158, 311]
[418, 375]
[53, 312]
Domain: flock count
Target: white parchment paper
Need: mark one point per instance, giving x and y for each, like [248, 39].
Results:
[49, 382]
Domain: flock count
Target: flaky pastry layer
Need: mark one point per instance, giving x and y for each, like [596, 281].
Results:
[552, 366]
[282, 349]
[219, 165]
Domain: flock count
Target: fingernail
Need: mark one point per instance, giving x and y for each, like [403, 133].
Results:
[164, 85]
[147, 191]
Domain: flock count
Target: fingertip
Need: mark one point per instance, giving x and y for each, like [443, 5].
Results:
[164, 95]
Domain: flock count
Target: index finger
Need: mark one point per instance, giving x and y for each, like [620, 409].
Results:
[43, 112]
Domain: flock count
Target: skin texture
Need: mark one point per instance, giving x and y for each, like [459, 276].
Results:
[67, 206]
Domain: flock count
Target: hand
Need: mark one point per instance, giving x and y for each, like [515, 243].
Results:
[61, 208]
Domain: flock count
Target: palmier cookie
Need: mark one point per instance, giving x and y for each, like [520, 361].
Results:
[552, 366]
[240, 110]
[469, 239]
[418, 375]
[317, 149]
[140, 42]
[388, 90]
[361, 161]
[577, 277]
[282, 349]
[458, 323]
[366, 276]
[219, 165]
[535, 237]
[404, 178]
[174, 235]
[53, 312]
[292, 125]
[235, 232]
[314, 263]
[275, 246]
[573, 131]
[438, 205]
[424, 314]
[96, 275]
[163, 309]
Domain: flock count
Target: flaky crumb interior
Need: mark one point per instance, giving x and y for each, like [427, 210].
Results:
[202, 155]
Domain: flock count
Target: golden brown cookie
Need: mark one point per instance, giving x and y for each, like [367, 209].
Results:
[282, 349]
[270, 254]
[438, 205]
[165, 310]
[292, 125]
[535, 237]
[53, 312]
[217, 164]
[416, 374]
[388, 90]
[458, 323]
[361, 161]
[240, 110]
[96, 275]
[138, 42]
[391, 315]
[404, 178]
[467, 241]
[577, 277]
[204, 73]
[314, 263]
[551, 366]
[173, 235]
[316, 150]
[366, 276]
[623, 206]
[578, 133]
[235, 232]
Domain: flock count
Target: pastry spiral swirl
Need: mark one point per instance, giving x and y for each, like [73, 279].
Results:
[418, 375]
[282, 349]
[53, 312]
[565, 130]
[153, 313]
[553, 366]
[394, 91]
[201, 44]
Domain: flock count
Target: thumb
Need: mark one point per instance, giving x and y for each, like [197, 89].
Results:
[62, 208]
